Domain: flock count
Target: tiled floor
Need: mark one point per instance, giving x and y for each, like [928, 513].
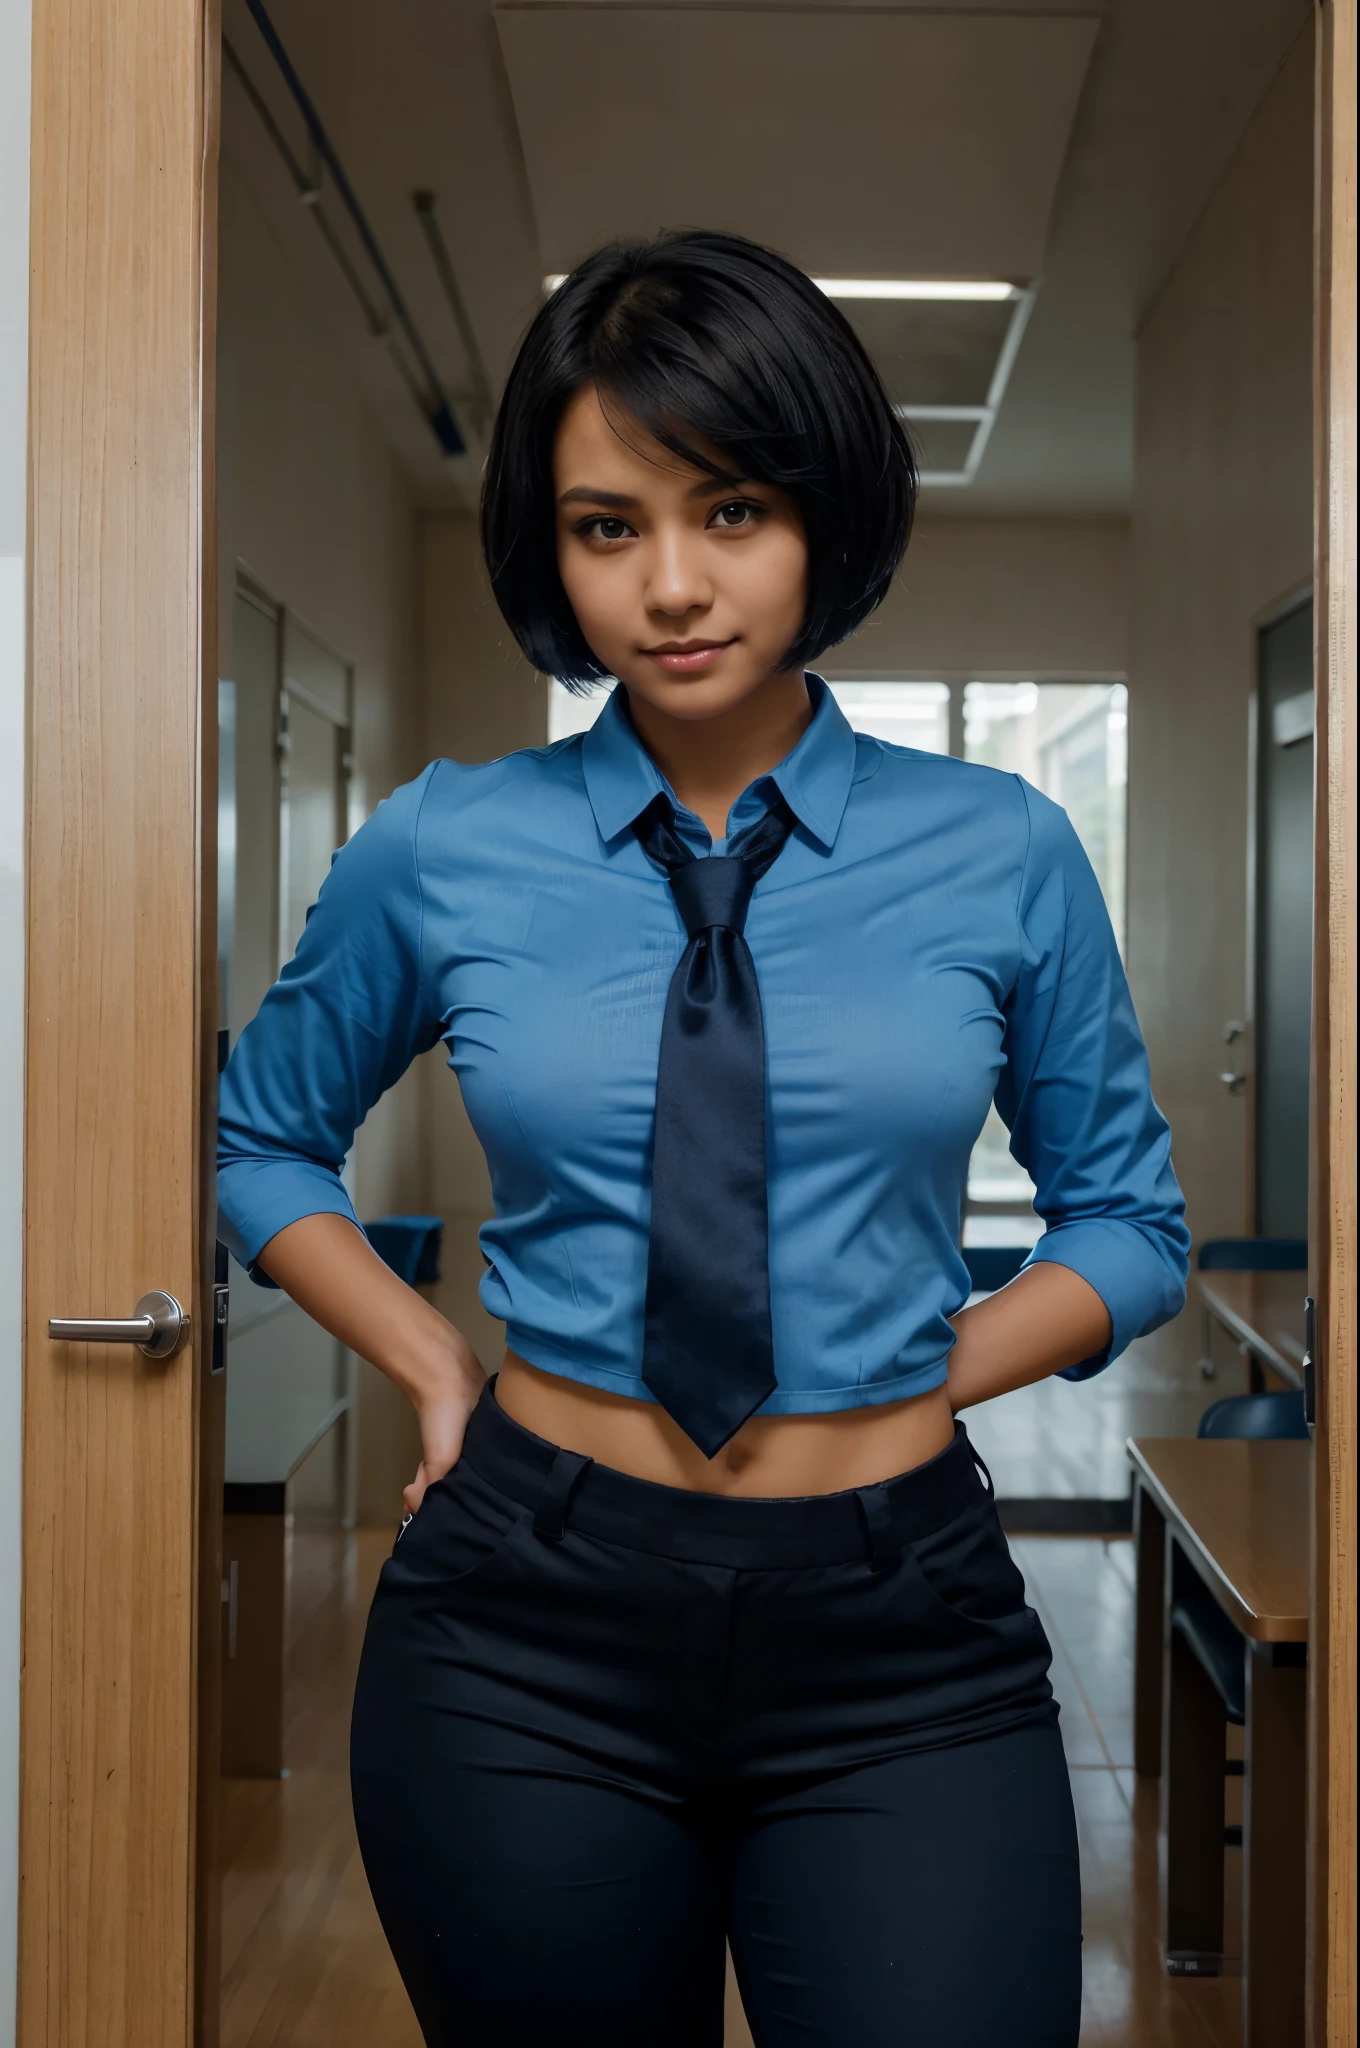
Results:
[1065, 1439]
[305, 1965]
[1083, 1590]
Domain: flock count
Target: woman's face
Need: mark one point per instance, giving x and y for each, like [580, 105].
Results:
[688, 590]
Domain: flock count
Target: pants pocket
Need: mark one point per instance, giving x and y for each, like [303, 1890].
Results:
[968, 1570]
[461, 1526]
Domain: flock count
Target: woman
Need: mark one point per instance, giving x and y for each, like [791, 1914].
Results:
[702, 1624]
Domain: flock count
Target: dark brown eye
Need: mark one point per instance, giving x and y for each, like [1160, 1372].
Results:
[735, 513]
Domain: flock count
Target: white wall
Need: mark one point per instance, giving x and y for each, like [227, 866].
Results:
[1001, 597]
[14, 95]
[1221, 530]
[312, 503]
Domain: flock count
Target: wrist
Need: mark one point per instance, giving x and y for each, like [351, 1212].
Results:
[448, 1382]
[436, 1365]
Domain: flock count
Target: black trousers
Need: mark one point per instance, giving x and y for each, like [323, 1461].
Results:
[600, 1725]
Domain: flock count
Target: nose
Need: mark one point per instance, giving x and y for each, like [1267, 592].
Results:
[678, 581]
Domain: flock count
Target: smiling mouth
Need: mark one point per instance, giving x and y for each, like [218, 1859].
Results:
[686, 657]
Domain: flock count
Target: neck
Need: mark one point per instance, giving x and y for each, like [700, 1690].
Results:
[708, 762]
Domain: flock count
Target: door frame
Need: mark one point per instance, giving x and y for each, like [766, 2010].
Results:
[1332, 1233]
[118, 1917]
[142, 77]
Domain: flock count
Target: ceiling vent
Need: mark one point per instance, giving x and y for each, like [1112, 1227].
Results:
[945, 364]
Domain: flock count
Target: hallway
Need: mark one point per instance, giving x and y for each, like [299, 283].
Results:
[1039, 562]
[304, 1964]
[1083, 1590]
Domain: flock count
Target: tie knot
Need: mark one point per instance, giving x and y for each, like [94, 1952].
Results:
[713, 891]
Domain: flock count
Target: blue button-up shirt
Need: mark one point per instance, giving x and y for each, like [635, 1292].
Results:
[932, 936]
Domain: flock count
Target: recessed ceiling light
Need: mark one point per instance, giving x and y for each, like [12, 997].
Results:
[916, 288]
[985, 288]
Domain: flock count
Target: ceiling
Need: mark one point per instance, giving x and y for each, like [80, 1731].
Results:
[1067, 146]
[887, 143]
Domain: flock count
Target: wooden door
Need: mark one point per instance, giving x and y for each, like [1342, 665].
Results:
[119, 1571]
[1332, 1650]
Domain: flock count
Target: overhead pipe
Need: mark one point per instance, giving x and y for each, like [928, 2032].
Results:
[425, 204]
[434, 403]
[378, 325]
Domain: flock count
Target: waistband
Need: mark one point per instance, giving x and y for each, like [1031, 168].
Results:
[566, 1490]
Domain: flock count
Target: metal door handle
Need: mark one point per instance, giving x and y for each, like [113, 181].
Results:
[158, 1327]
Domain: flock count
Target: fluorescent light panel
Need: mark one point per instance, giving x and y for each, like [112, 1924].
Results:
[988, 289]
[991, 289]
[1021, 300]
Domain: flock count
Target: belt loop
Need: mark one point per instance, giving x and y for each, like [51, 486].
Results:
[554, 1503]
[878, 1529]
[987, 1477]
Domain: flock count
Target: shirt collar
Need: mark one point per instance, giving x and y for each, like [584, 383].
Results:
[814, 780]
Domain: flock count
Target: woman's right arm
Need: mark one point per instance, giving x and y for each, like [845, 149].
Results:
[333, 1273]
[345, 1019]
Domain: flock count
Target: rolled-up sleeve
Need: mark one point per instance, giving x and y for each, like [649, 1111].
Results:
[342, 1023]
[1077, 1097]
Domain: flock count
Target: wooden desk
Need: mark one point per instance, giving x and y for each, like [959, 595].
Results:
[1236, 1517]
[1242, 1512]
[1263, 1312]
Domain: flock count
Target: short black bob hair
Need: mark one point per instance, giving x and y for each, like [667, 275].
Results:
[702, 337]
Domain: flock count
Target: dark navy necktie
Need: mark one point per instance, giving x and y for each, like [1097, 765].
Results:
[707, 1351]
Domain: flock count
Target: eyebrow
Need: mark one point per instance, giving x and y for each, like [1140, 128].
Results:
[586, 494]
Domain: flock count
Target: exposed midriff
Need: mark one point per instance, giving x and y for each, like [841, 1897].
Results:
[771, 1456]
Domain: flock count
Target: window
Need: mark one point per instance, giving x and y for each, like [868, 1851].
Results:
[1071, 741]
[907, 714]
[568, 713]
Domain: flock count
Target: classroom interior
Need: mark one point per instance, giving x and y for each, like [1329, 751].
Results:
[1078, 242]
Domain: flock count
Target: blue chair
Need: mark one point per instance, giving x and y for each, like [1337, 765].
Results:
[1253, 1255]
[410, 1245]
[1245, 1255]
[1255, 1416]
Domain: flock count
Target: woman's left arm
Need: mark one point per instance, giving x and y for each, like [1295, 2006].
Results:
[1077, 1096]
[1044, 1320]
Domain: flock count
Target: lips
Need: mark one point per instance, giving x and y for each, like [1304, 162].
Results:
[687, 657]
